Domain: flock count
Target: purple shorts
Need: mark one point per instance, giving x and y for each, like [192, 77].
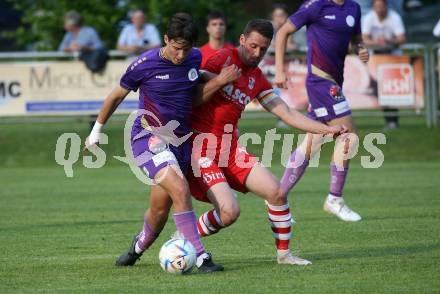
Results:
[152, 154]
[327, 102]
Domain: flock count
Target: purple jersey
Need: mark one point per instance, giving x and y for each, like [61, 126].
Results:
[330, 28]
[165, 89]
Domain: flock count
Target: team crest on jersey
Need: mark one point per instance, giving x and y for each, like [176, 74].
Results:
[193, 75]
[251, 83]
[350, 21]
[336, 92]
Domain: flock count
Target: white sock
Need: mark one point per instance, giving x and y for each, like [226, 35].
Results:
[332, 197]
[137, 249]
[283, 252]
[200, 258]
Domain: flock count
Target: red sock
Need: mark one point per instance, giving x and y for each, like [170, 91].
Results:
[209, 223]
[281, 223]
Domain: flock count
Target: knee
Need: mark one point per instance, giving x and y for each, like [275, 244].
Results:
[276, 195]
[229, 216]
[180, 189]
[181, 195]
[348, 142]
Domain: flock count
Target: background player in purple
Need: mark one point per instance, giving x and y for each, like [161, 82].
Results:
[167, 79]
[332, 25]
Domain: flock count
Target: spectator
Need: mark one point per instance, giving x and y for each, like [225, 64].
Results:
[138, 36]
[296, 42]
[383, 32]
[216, 28]
[78, 37]
[365, 6]
[396, 5]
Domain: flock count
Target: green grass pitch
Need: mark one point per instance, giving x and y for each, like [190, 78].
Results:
[61, 234]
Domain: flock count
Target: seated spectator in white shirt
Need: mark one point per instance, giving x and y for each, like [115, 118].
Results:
[383, 32]
[382, 29]
[138, 36]
[78, 37]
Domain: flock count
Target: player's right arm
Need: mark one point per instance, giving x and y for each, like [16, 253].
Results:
[130, 81]
[307, 14]
[111, 102]
[280, 49]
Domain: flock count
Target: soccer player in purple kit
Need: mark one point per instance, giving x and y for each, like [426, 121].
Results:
[332, 25]
[167, 79]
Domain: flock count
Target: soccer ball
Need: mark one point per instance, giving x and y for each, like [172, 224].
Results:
[177, 256]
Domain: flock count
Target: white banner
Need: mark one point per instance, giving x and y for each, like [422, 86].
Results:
[68, 87]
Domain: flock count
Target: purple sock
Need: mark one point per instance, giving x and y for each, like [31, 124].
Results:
[338, 175]
[186, 223]
[295, 169]
[146, 236]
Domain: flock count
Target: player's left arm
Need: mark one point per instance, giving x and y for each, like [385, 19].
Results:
[360, 48]
[274, 104]
[357, 41]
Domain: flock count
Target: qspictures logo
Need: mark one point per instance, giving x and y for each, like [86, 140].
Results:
[160, 139]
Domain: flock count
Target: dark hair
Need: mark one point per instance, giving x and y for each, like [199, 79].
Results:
[281, 6]
[261, 26]
[215, 14]
[182, 26]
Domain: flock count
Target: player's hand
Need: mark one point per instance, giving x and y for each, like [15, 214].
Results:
[90, 144]
[229, 74]
[280, 80]
[337, 130]
[363, 54]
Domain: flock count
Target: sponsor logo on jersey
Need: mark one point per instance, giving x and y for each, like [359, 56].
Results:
[336, 92]
[164, 156]
[350, 21]
[333, 17]
[251, 83]
[212, 176]
[163, 77]
[235, 94]
[193, 75]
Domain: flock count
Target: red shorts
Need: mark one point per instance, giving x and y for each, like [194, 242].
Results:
[210, 166]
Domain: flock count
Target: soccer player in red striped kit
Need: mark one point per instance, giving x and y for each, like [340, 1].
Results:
[220, 165]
